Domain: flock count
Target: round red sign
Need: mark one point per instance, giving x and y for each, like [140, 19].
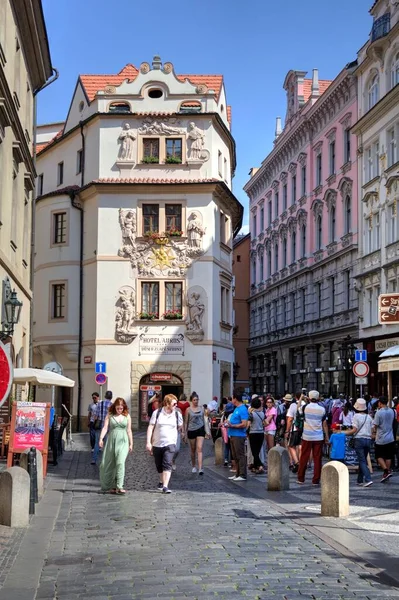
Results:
[6, 374]
[361, 369]
[101, 378]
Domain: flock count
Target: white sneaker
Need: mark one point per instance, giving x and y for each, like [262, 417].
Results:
[194, 470]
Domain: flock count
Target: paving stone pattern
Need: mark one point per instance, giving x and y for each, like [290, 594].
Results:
[209, 539]
[10, 542]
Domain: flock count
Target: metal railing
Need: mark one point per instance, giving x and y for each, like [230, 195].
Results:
[381, 27]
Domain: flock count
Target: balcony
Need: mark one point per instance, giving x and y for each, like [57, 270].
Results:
[332, 248]
[381, 27]
[318, 256]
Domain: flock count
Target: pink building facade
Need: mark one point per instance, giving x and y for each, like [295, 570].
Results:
[304, 235]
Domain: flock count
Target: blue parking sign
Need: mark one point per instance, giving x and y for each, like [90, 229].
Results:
[361, 355]
[101, 367]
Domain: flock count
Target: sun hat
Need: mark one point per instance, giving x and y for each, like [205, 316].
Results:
[287, 397]
[254, 396]
[360, 404]
[314, 395]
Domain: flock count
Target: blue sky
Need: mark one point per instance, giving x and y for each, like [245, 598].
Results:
[253, 44]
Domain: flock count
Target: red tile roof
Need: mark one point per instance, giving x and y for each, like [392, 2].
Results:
[153, 180]
[93, 83]
[39, 147]
[229, 114]
[307, 87]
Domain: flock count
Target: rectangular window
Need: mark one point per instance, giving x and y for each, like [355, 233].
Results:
[58, 298]
[319, 174]
[59, 228]
[376, 159]
[220, 163]
[149, 299]
[150, 218]
[269, 211]
[261, 267]
[332, 158]
[369, 164]
[303, 304]
[79, 161]
[332, 294]
[225, 305]
[253, 272]
[173, 297]
[285, 196]
[318, 300]
[276, 205]
[347, 289]
[60, 173]
[392, 220]
[174, 150]
[223, 228]
[303, 181]
[284, 311]
[254, 228]
[347, 145]
[369, 309]
[173, 217]
[391, 147]
[293, 308]
[150, 150]
[376, 228]
[40, 182]
[293, 190]
[225, 169]
[262, 218]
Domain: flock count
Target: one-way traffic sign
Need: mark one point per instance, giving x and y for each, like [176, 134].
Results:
[101, 367]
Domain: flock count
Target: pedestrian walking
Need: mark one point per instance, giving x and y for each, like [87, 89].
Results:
[237, 424]
[383, 428]
[315, 433]
[270, 423]
[346, 416]
[119, 443]
[196, 429]
[183, 404]
[162, 433]
[294, 429]
[91, 418]
[101, 412]
[228, 410]
[362, 433]
[256, 436]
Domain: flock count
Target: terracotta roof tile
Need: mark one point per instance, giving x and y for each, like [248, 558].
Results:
[229, 114]
[93, 83]
[152, 180]
[40, 147]
[307, 87]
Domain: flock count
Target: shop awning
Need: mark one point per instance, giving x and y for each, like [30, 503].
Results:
[390, 352]
[41, 377]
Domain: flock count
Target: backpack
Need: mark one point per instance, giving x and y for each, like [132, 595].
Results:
[281, 416]
[299, 418]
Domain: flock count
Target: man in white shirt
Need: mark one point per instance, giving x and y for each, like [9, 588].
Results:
[213, 405]
[293, 431]
[315, 434]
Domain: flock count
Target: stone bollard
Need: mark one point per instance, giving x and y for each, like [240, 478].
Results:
[278, 469]
[23, 462]
[14, 497]
[334, 490]
[219, 451]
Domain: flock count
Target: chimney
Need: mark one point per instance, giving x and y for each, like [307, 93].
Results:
[315, 82]
[278, 127]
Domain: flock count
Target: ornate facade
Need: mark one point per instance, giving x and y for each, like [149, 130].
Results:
[303, 224]
[377, 132]
[135, 221]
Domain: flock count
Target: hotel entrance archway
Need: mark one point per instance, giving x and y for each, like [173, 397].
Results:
[153, 383]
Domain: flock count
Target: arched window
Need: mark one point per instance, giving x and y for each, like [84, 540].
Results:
[395, 70]
[303, 241]
[119, 107]
[293, 246]
[373, 91]
[261, 267]
[276, 258]
[332, 224]
[284, 252]
[269, 263]
[254, 271]
[319, 232]
[348, 215]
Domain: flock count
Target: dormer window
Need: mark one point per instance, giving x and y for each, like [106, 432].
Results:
[190, 106]
[119, 107]
[156, 93]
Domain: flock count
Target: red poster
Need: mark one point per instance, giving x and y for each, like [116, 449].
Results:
[30, 421]
[6, 374]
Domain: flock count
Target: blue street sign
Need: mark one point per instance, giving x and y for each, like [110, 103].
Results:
[101, 367]
[360, 355]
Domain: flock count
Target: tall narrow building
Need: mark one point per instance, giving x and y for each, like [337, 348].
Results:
[135, 225]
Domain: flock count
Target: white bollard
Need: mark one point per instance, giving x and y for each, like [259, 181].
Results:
[278, 469]
[219, 451]
[334, 490]
[14, 497]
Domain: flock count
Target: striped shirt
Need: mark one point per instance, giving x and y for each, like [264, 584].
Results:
[101, 411]
[313, 423]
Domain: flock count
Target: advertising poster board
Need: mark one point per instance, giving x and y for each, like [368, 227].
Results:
[30, 426]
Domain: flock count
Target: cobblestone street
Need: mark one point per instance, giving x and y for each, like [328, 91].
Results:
[209, 539]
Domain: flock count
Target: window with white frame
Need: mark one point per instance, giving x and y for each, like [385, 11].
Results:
[269, 213]
[376, 229]
[59, 227]
[371, 308]
[276, 204]
[392, 223]
[254, 227]
[303, 241]
[368, 234]
[392, 146]
[284, 311]
[254, 279]
[347, 145]
[319, 169]
[319, 232]
[347, 289]
[285, 196]
[303, 303]
[332, 224]
[261, 267]
[262, 218]
[293, 246]
[293, 190]
[293, 307]
[392, 286]
[303, 180]
[332, 294]
[58, 301]
[276, 258]
[284, 252]
[318, 299]
[395, 70]
[373, 91]
[372, 161]
[332, 157]
[149, 300]
[269, 263]
[159, 218]
[348, 214]
[220, 163]
[225, 302]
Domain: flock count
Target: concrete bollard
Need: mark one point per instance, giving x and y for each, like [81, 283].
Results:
[334, 490]
[14, 497]
[219, 451]
[278, 469]
[23, 462]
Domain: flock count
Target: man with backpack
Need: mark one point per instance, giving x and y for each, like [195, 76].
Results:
[294, 429]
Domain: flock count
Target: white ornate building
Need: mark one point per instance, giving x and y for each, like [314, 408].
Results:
[135, 221]
[377, 131]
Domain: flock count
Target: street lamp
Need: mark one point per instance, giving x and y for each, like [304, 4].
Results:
[12, 309]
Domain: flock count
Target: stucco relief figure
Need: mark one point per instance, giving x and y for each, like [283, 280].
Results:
[196, 309]
[195, 231]
[197, 137]
[126, 138]
[156, 128]
[125, 315]
[127, 220]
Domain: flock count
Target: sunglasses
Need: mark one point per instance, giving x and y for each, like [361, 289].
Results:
[174, 404]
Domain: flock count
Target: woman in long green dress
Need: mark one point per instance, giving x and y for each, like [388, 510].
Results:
[119, 442]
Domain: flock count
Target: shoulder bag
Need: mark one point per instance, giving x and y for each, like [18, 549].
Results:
[351, 442]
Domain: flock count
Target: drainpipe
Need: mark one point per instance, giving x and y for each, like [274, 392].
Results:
[33, 210]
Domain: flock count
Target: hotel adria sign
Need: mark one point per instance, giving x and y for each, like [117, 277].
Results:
[151, 344]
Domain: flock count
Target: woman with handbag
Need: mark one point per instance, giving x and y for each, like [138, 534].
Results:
[196, 429]
[361, 441]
